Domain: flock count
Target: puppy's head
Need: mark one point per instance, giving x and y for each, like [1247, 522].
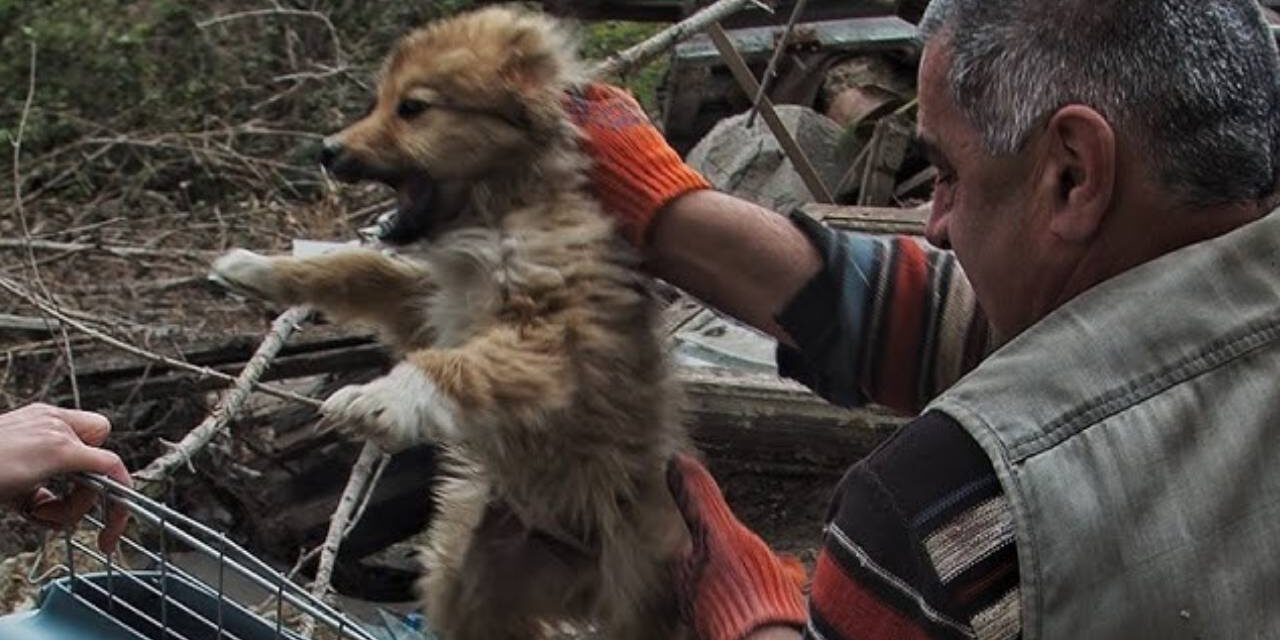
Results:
[460, 100]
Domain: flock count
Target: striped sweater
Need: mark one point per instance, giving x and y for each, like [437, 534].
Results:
[919, 539]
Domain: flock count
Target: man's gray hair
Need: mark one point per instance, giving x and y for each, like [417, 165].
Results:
[1195, 84]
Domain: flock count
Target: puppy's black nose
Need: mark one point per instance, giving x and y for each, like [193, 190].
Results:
[330, 152]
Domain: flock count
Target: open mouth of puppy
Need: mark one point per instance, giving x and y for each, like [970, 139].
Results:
[424, 206]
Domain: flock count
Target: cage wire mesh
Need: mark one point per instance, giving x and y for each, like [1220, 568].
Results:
[162, 600]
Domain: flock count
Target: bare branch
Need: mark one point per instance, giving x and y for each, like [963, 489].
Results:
[68, 320]
[116, 250]
[341, 523]
[624, 62]
[230, 404]
[280, 11]
[771, 70]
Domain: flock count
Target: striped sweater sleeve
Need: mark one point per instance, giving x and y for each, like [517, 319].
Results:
[888, 320]
[911, 555]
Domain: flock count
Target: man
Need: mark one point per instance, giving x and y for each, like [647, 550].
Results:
[1106, 173]
[39, 442]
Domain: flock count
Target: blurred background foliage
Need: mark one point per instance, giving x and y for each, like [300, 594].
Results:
[210, 99]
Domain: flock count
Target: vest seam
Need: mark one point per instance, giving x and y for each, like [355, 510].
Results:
[1217, 354]
[1019, 504]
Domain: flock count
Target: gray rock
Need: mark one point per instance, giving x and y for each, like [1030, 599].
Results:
[750, 164]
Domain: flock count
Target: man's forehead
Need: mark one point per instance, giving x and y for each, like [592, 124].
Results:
[934, 98]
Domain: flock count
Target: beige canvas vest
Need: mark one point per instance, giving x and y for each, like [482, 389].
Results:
[1136, 432]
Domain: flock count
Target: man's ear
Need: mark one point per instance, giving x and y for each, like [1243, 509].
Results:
[1081, 168]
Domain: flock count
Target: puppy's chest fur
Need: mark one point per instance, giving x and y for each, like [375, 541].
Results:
[467, 291]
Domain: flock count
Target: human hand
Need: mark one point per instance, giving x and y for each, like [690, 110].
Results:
[41, 442]
[730, 584]
[635, 172]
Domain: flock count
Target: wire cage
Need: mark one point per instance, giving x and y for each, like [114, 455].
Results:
[98, 598]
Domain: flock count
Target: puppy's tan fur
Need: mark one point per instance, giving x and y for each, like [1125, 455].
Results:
[530, 345]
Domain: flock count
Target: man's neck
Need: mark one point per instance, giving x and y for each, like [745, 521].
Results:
[1145, 233]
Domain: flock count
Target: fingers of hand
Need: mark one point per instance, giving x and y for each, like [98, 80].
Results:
[73, 457]
[117, 520]
[68, 510]
[47, 508]
[91, 428]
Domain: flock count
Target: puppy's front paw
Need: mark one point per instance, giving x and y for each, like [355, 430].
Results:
[396, 411]
[247, 273]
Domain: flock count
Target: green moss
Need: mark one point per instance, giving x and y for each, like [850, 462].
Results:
[601, 39]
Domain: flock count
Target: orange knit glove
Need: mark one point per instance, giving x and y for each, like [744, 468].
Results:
[635, 173]
[730, 584]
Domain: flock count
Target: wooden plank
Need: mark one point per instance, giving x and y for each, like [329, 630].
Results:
[885, 154]
[756, 44]
[27, 324]
[102, 386]
[877, 220]
[777, 425]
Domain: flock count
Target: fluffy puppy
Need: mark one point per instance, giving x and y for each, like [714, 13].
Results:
[529, 341]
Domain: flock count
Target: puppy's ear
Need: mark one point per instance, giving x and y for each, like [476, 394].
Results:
[530, 74]
[540, 56]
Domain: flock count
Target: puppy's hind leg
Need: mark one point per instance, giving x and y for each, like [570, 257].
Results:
[490, 578]
[354, 285]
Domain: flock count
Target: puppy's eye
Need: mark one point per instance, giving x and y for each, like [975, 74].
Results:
[410, 107]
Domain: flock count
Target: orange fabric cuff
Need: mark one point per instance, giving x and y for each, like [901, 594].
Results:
[744, 585]
[635, 173]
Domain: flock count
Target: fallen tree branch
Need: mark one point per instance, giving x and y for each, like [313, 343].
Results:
[67, 320]
[628, 60]
[354, 494]
[230, 404]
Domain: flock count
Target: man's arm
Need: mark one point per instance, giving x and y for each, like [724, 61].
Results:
[740, 258]
[859, 318]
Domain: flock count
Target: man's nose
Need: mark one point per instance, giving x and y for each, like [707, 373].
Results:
[330, 151]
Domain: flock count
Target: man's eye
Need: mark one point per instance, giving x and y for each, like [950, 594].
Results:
[410, 107]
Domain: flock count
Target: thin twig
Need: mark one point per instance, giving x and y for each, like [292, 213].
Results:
[280, 11]
[772, 69]
[26, 230]
[230, 404]
[355, 519]
[738, 67]
[115, 250]
[55, 312]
